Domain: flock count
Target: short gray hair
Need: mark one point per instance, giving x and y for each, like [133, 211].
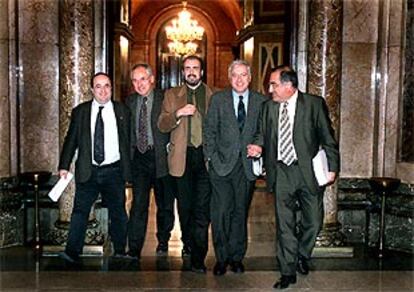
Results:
[143, 65]
[239, 62]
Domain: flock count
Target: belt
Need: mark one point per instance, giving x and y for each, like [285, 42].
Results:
[111, 165]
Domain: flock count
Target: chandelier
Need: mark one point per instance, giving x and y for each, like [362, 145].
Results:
[183, 31]
[180, 48]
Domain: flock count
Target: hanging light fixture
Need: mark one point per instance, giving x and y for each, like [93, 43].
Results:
[183, 31]
[180, 48]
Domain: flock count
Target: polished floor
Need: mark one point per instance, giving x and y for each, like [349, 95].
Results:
[20, 270]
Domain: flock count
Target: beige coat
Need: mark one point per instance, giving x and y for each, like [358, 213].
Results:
[175, 98]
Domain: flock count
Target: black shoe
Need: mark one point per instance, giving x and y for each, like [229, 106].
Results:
[119, 255]
[69, 259]
[284, 282]
[302, 266]
[237, 267]
[220, 269]
[132, 256]
[199, 268]
[162, 249]
[186, 252]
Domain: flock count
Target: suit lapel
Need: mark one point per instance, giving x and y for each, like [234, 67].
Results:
[229, 110]
[298, 124]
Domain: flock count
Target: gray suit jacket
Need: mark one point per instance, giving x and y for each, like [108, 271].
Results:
[160, 139]
[312, 129]
[222, 140]
[79, 138]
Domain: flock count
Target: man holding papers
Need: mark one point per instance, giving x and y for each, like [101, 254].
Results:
[100, 133]
[293, 126]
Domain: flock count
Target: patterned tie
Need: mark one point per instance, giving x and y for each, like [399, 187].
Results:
[98, 145]
[143, 127]
[286, 143]
[241, 113]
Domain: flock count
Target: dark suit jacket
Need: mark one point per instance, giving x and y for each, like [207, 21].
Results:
[222, 139]
[79, 138]
[312, 129]
[160, 139]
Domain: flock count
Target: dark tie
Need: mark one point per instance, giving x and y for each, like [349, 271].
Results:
[241, 113]
[143, 127]
[286, 143]
[98, 146]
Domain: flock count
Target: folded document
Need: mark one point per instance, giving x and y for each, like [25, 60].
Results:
[59, 187]
[320, 167]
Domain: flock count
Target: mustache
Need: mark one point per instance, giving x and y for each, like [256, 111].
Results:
[192, 75]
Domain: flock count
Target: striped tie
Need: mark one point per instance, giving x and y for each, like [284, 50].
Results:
[287, 153]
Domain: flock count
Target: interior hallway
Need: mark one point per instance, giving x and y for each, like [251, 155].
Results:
[20, 271]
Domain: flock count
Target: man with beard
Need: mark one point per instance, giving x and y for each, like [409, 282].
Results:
[182, 115]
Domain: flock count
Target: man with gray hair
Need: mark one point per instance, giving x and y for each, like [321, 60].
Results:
[229, 127]
[149, 164]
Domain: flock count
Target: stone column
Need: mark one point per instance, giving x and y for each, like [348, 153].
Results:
[76, 59]
[4, 91]
[324, 79]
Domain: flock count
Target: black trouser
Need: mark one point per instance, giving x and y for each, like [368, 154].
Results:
[193, 196]
[230, 202]
[291, 187]
[144, 178]
[107, 181]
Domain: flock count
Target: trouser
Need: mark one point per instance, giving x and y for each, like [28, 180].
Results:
[144, 178]
[193, 197]
[290, 188]
[230, 202]
[108, 182]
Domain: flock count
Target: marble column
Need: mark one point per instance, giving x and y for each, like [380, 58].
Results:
[324, 79]
[76, 58]
[4, 91]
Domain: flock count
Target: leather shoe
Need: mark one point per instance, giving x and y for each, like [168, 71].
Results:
[302, 266]
[162, 249]
[237, 267]
[284, 282]
[186, 252]
[68, 258]
[199, 269]
[220, 269]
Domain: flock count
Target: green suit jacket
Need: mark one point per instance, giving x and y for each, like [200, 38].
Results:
[312, 130]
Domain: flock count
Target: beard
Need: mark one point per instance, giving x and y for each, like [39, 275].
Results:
[192, 80]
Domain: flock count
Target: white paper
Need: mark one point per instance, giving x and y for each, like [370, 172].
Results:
[59, 187]
[258, 166]
[320, 167]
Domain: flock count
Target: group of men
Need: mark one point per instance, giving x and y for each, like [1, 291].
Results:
[198, 146]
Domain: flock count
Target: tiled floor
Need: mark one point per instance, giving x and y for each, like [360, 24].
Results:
[21, 271]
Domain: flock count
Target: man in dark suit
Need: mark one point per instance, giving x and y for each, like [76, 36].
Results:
[229, 127]
[100, 131]
[182, 115]
[149, 163]
[292, 127]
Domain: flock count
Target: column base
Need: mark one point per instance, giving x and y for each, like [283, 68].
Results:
[58, 235]
[330, 236]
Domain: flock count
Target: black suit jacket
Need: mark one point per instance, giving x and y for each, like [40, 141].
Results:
[312, 129]
[79, 138]
[160, 139]
[222, 140]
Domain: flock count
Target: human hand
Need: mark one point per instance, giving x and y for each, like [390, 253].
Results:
[63, 173]
[254, 150]
[187, 110]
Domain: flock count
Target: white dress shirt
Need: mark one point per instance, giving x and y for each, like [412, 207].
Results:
[111, 142]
